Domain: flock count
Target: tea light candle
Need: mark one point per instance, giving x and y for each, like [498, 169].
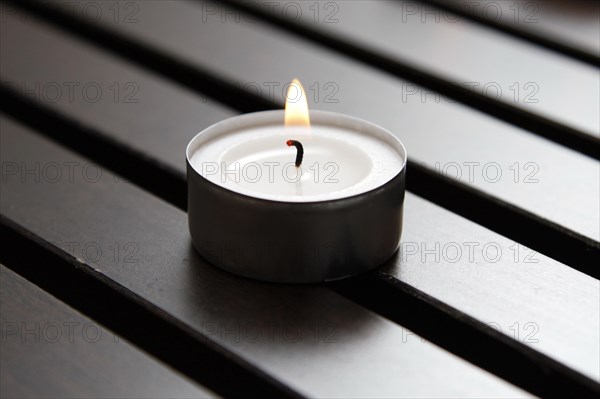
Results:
[282, 197]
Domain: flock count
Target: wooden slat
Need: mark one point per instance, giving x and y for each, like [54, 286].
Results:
[98, 85]
[568, 27]
[308, 337]
[504, 68]
[435, 133]
[50, 350]
[473, 285]
[525, 295]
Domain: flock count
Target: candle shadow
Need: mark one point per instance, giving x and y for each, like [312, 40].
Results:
[277, 321]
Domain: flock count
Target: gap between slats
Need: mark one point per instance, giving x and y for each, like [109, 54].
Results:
[37, 365]
[163, 337]
[430, 318]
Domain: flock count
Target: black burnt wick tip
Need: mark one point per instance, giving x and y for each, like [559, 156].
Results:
[299, 151]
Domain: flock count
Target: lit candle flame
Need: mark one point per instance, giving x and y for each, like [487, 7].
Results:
[296, 106]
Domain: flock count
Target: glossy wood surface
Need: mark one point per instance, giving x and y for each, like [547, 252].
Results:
[540, 181]
[442, 251]
[50, 350]
[308, 337]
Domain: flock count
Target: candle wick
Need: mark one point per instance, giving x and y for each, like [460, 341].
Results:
[299, 151]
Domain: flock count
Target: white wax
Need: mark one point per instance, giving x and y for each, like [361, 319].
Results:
[343, 156]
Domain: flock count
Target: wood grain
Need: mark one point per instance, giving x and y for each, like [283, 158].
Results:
[50, 350]
[273, 327]
[475, 283]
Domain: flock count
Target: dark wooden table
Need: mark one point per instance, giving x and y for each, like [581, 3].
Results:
[494, 291]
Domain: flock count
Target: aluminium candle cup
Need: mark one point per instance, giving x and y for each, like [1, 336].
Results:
[294, 242]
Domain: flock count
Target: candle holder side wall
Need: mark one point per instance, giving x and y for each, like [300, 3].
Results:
[295, 242]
